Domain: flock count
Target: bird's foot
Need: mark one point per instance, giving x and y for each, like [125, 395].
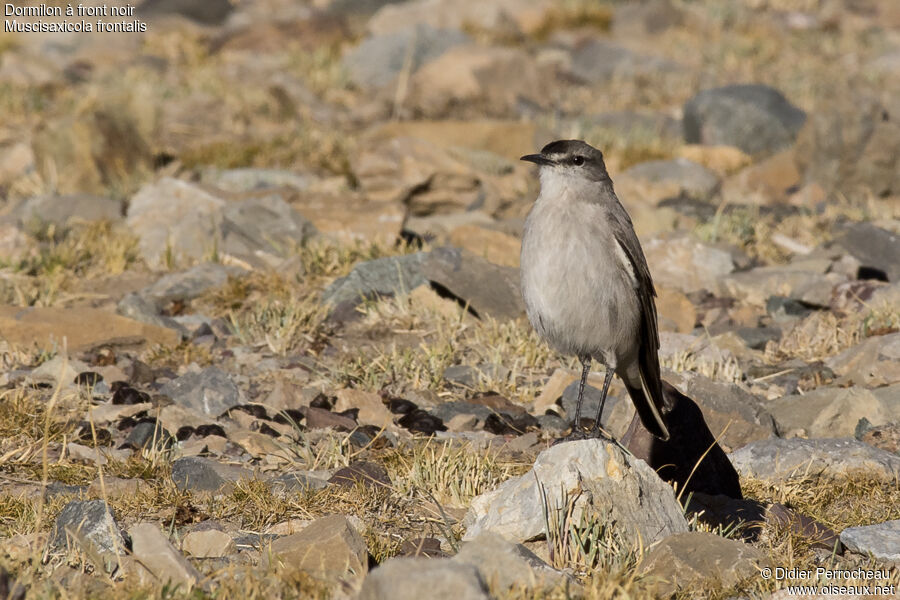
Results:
[576, 435]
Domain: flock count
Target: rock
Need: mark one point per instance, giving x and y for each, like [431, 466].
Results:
[372, 410]
[80, 328]
[675, 311]
[504, 138]
[726, 405]
[299, 481]
[175, 220]
[757, 119]
[829, 412]
[510, 17]
[781, 459]
[687, 265]
[148, 435]
[685, 561]
[691, 457]
[209, 392]
[487, 289]
[773, 179]
[329, 548]
[205, 475]
[598, 61]
[369, 474]
[262, 231]
[507, 565]
[319, 418]
[645, 18]
[154, 552]
[886, 437]
[431, 179]
[425, 547]
[378, 60]
[616, 488]
[494, 246]
[88, 522]
[661, 179]
[59, 370]
[68, 210]
[801, 281]
[821, 536]
[187, 285]
[850, 145]
[872, 363]
[414, 578]
[249, 179]
[881, 541]
[209, 543]
[137, 307]
[723, 160]
[387, 276]
[116, 487]
[874, 247]
[474, 81]
[349, 217]
[553, 391]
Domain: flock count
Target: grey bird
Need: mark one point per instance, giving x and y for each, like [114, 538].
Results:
[585, 281]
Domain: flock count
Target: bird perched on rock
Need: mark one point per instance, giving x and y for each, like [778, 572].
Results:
[585, 280]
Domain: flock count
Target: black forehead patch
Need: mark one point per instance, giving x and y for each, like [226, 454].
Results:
[570, 147]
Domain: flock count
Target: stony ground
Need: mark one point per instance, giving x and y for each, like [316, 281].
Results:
[261, 334]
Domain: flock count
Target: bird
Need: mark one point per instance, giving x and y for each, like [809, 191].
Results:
[585, 282]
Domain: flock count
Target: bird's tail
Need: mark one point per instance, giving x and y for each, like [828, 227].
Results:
[649, 402]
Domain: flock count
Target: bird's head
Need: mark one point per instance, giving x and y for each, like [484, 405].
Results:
[572, 160]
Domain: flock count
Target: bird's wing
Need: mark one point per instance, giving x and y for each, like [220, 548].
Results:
[648, 355]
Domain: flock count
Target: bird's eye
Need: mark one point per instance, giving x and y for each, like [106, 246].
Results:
[578, 161]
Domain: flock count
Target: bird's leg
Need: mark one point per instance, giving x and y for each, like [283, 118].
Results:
[585, 369]
[606, 381]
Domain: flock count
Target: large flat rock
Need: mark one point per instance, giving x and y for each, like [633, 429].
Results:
[82, 328]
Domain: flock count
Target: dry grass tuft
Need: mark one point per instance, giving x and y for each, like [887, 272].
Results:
[60, 257]
[823, 334]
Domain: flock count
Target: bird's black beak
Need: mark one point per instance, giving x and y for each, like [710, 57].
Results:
[538, 159]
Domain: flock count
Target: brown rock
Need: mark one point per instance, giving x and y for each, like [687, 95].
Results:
[724, 160]
[477, 80]
[676, 311]
[154, 552]
[503, 138]
[820, 535]
[768, 181]
[685, 560]
[117, 486]
[259, 445]
[372, 410]
[329, 548]
[553, 391]
[349, 217]
[319, 418]
[687, 265]
[431, 180]
[209, 543]
[367, 473]
[495, 246]
[83, 328]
